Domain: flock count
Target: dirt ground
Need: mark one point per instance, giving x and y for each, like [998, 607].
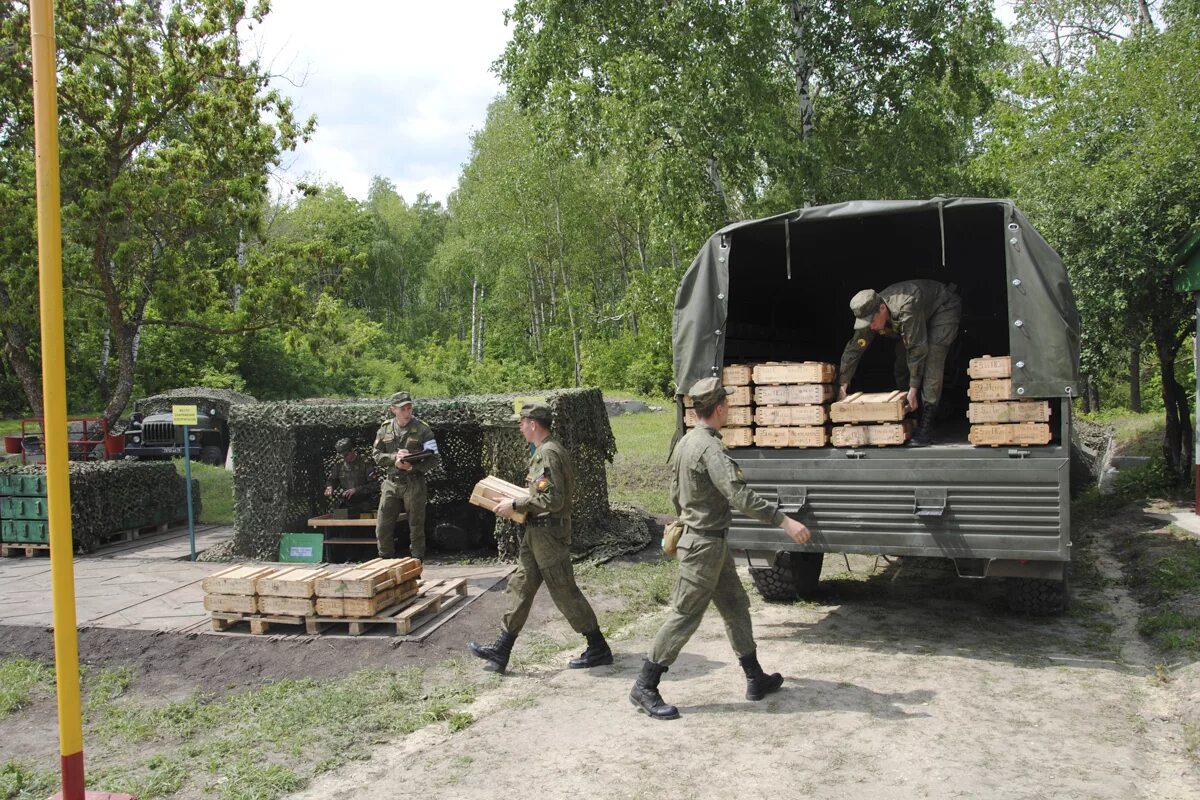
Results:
[902, 680]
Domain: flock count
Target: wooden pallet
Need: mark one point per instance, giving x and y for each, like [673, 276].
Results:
[739, 417]
[990, 367]
[992, 389]
[882, 435]
[810, 436]
[737, 375]
[1015, 411]
[741, 397]
[133, 534]
[737, 437]
[875, 407]
[491, 490]
[795, 394]
[790, 416]
[1021, 433]
[17, 549]
[406, 616]
[794, 372]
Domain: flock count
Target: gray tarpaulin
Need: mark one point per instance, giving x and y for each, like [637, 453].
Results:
[1043, 323]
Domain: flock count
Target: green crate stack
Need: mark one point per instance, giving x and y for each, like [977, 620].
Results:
[23, 509]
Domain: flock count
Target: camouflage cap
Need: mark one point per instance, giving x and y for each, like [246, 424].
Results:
[864, 305]
[400, 398]
[706, 392]
[536, 410]
[343, 446]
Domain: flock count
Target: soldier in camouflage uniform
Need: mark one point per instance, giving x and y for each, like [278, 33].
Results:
[545, 549]
[924, 315]
[351, 481]
[706, 484]
[403, 436]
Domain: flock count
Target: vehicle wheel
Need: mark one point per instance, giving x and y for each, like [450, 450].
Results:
[1037, 597]
[211, 454]
[794, 576]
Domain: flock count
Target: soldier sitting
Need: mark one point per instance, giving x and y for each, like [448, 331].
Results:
[351, 482]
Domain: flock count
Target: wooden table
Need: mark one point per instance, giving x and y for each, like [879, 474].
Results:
[341, 531]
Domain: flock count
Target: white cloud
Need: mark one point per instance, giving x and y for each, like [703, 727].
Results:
[398, 87]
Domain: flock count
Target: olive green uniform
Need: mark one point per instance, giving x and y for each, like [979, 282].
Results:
[706, 485]
[405, 487]
[925, 315]
[545, 554]
[357, 475]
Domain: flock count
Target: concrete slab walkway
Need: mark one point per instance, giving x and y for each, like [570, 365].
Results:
[151, 585]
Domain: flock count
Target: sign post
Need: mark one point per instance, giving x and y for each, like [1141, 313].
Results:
[186, 416]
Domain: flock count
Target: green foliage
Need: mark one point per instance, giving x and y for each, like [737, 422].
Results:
[216, 487]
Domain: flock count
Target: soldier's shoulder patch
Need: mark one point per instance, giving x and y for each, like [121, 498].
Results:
[861, 342]
[738, 471]
[542, 484]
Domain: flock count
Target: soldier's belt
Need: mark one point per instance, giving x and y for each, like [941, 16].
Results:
[715, 532]
[546, 521]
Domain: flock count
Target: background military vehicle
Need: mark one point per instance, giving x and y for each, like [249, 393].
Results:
[778, 289]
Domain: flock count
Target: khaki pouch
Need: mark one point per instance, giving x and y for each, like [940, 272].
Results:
[670, 540]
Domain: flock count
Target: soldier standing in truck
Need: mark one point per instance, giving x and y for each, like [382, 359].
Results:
[924, 315]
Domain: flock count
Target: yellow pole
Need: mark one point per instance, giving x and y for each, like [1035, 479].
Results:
[54, 392]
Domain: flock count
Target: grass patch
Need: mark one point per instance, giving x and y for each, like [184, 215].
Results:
[638, 470]
[1136, 434]
[216, 489]
[642, 587]
[262, 743]
[21, 682]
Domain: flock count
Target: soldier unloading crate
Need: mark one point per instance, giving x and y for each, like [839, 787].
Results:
[925, 316]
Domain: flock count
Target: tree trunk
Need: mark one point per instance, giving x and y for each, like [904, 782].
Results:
[1135, 378]
[1177, 439]
[1085, 396]
[102, 369]
[16, 351]
[803, 67]
[562, 265]
[714, 180]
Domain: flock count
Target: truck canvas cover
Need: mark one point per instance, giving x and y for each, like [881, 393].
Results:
[777, 286]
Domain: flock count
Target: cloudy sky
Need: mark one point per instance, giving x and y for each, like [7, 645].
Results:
[398, 86]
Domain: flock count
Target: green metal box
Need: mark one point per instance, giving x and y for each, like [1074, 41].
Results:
[24, 508]
[24, 531]
[23, 485]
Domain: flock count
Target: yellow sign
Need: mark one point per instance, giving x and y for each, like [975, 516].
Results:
[184, 415]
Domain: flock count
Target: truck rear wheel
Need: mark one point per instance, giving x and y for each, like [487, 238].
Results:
[1037, 597]
[211, 454]
[795, 576]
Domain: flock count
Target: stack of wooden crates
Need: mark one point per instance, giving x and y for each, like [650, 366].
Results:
[792, 403]
[738, 430]
[871, 420]
[996, 419]
[23, 514]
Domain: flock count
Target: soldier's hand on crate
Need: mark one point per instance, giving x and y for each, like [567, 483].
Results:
[329, 491]
[401, 464]
[843, 390]
[798, 531]
[911, 398]
[504, 508]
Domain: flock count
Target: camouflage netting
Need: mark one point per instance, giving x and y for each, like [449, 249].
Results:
[112, 496]
[220, 399]
[284, 451]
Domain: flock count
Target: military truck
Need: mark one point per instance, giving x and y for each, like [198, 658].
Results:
[778, 289]
[151, 432]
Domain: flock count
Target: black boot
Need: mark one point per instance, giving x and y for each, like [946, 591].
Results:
[645, 694]
[497, 653]
[924, 435]
[758, 683]
[597, 653]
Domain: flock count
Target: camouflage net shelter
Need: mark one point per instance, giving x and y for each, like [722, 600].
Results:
[284, 451]
[219, 399]
[112, 496]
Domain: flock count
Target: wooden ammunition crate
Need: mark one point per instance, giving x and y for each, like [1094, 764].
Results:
[794, 372]
[365, 606]
[876, 407]
[790, 416]
[240, 603]
[1016, 411]
[362, 580]
[235, 580]
[990, 367]
[24, 508]
[741, 397]
[1021, 433]
[990, 389]
[291, 582]
[737, 437]
[737, 375]
[794, 394]
[813, 436]
[739, 417]
[889, 433]
[491, 490]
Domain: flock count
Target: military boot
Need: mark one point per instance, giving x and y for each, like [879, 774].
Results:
[924, 435]
[597, 653]
[645, 694]
[497, 653]
[758, 683]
